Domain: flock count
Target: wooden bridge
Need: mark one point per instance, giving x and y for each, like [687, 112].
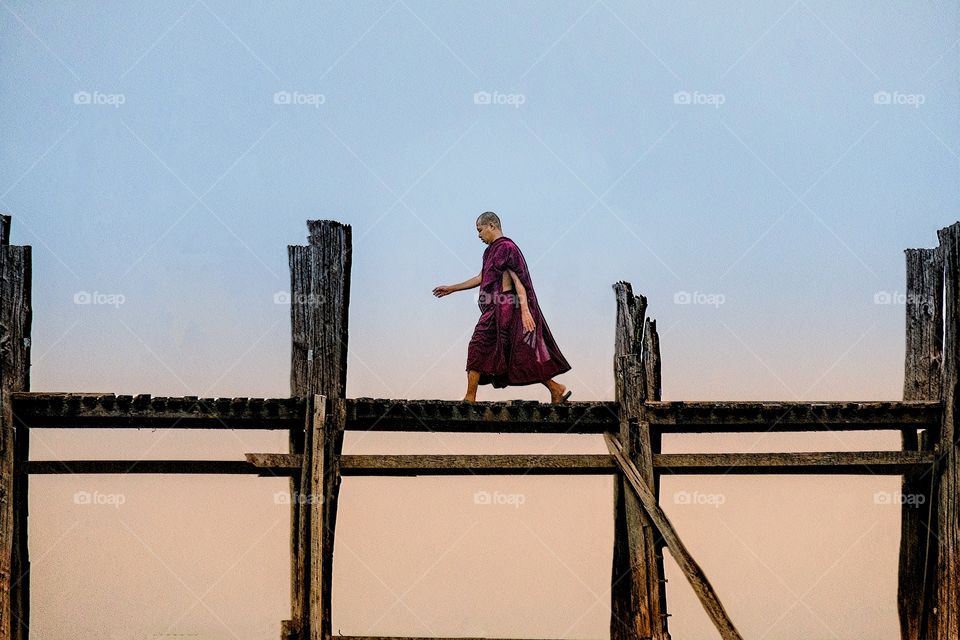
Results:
[317, 413]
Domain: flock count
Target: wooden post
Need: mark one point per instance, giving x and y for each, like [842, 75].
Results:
[637, 601]
[946, 620]
[324, 484]
[319, 311]
[650, 360]
[921, 381]
[15, 321]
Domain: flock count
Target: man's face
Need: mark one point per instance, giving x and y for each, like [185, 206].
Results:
[485, 233]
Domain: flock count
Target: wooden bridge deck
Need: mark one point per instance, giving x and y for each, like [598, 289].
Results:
[106, 410]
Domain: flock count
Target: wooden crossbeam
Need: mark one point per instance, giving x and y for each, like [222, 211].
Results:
[731, 417]
[825, 462]
[206, 467]
[105, 410]
[339, 637]
[490, 417]
[694, 574]
[287, 464]
[395, 465]
[828, 462]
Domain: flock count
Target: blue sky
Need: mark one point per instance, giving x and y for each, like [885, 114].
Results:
[767, 161]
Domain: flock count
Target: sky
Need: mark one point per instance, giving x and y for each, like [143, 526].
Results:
[756, 169]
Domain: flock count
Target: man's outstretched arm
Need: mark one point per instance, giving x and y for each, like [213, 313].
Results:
[463, 286]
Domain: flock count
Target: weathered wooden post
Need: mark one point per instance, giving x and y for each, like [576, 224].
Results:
[15, 320]
[650, 359]
[946, 606]
[319, 312]
[638, 603]
[921, 381]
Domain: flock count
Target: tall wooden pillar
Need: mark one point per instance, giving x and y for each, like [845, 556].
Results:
[945, 621]
[921, 381]
[319, 312]
[650, 359]
[15, 320]
[638, 603]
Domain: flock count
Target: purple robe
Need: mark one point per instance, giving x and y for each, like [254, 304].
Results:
[500, 349]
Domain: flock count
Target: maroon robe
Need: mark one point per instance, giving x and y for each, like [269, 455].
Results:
[500, 349]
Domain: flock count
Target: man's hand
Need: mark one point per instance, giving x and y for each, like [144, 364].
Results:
[527, 319]
[443, 290]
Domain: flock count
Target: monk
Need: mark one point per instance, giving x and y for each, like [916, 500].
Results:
[511, 344]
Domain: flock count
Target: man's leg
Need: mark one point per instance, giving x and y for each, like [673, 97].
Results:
[473, 379]
[556, 389]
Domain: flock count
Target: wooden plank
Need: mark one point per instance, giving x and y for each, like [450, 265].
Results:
[815, 462]
[783, 417]
[205, 467]
[650, 359]
[15, 325]
[339, 637]
[533, 464]
[276, 463]
[638, 605]
[319, 304]
[286, 464]
[106, 410]
[325, 486]
[922, 380]
[518, 416]
[319, 313]
[312, 483]
[300, 529]
[109, 411]
[946, 623]
[694, 574]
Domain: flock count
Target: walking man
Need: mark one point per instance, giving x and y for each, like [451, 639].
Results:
[511, 344]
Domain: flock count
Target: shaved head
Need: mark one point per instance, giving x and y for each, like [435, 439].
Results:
[488, 217]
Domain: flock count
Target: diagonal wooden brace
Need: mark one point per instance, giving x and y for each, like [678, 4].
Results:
[698, 580]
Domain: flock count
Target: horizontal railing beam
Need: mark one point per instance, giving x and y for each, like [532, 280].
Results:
[827, 462]
[375, 414]
[357, 465]
[106, 410]
[284, 464]
[72, 410]
[732, 417]
[206, 467]
[340, 637]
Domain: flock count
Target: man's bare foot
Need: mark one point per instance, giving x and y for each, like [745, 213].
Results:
[559, 393]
